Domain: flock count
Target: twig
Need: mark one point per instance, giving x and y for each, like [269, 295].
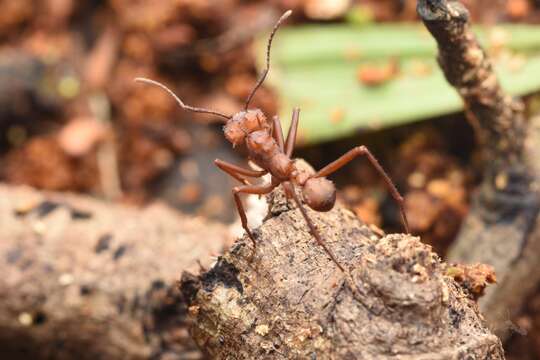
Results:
[107, 159]
[498, 119]
[98, 68]
[502, 220]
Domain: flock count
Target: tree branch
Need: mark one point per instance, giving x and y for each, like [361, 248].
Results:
[502, 223]
[498, 118]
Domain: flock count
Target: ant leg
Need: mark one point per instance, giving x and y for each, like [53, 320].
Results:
[240, 178]
[277, 132]
[236, 171]
[291, 135]
[363, 151]
[249, 189]
[289, 188]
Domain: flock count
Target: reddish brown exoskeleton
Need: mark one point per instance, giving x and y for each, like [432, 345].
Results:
[268, 149]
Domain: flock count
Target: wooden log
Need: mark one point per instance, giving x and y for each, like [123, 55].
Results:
[83, 279]
[288, 300]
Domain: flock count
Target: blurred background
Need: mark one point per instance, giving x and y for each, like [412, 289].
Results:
[362, 71]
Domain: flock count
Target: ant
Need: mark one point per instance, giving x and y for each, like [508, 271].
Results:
[268, 149]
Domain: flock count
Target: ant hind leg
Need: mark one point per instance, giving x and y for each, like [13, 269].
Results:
[363, 151]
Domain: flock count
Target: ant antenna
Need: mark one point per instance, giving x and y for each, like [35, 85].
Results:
[263, 76]
[180, 102]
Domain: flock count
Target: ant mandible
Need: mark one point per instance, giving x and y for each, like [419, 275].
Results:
[267, 148]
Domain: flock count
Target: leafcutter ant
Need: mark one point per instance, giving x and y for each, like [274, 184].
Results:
[268, 149]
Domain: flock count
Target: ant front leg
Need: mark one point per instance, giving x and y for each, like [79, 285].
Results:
[249, 189]
[237, 171]
[363, 151]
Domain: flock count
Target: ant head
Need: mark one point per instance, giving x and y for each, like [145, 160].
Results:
[319, 194]
[244, 123]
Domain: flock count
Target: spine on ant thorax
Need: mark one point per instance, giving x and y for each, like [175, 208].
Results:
[265, 152]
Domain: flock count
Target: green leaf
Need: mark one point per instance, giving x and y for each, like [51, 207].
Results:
[315, 68]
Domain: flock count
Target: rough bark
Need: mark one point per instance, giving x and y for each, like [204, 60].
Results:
[502, 226]
[290, 301]
[82, 279]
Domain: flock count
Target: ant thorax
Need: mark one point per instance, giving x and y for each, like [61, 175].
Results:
[265, 152]
[244, 123]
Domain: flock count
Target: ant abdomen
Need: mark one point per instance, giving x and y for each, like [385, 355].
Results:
[319, 194]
